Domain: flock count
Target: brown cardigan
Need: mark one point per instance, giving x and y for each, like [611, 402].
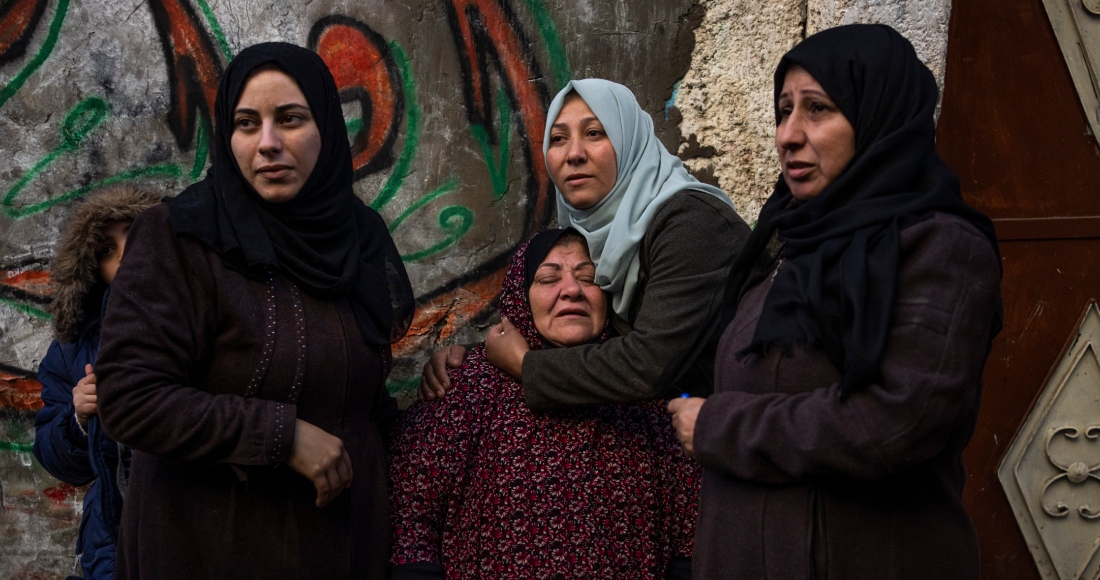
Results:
[798, 484]
[203, 371]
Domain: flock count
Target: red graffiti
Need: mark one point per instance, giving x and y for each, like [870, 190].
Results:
[60, 494]
[193, 67]
[19, 392]
[486, 32]
[365, 72]
[18, 21]
[36, 283]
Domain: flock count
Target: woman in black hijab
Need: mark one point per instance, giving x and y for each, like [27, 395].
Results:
[246, 345]
[860, 315]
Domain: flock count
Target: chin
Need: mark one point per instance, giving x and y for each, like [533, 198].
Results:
[572, 338]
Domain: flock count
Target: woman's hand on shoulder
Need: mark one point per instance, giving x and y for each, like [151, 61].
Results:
[322, 459]
[434, 382]
[505, 348]
[684, 414]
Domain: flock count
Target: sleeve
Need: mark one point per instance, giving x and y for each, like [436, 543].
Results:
[429, 458]
[160, 325]
[59, 444]
[689, 262]
[947, 297]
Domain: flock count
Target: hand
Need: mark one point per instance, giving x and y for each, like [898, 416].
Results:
[322, 459]
[84, 399]
[434, 382]
[505, 348]
[684, 413]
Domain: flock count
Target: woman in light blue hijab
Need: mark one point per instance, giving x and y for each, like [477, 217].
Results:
[662, 242]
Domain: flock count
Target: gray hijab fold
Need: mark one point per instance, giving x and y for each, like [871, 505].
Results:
[648, 176]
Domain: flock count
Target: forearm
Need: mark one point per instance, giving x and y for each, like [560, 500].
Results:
[62, 448]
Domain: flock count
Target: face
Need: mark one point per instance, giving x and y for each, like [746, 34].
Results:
[275, 139]
[114, 244]
[814, 139]
[580, 157]
[567, 305]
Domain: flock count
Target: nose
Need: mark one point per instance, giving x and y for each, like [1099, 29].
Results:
[570, 288]
[576, 152]
[790, 133]
[270, 138]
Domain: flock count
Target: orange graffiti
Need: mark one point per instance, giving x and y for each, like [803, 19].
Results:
[486, 31]
[193, 67]
[440, 313]
[364, 70]
[18, 20]
[19, 393]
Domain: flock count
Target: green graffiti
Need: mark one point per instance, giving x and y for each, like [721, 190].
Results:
[455, 221]
[216, 29]
[202, 148]
[22, 447]
[25, 308]
[84, 118]
[353, 127]
[558, 59]
[40, 57]
[412, 131]
[497, 164]
[438, 192]
[164, 170]
[78, 123]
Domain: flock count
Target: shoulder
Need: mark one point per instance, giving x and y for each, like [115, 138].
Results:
[696, 219]
[692, 204]
[947, 234]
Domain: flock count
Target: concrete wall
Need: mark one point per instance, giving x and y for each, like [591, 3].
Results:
[726, 97]
[94, 93]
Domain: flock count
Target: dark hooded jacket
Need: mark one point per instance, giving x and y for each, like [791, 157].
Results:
[60, 445]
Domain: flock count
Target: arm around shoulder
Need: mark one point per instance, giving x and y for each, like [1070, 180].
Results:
[690, 246]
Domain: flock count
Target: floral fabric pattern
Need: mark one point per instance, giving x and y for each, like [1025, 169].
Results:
[487, 488]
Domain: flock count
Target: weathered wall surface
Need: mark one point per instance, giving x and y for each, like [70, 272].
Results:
[726, 97]
[445, 101]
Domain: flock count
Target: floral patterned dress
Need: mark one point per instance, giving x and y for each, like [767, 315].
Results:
[483, 487]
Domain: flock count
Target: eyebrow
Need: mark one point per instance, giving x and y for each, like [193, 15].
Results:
[558, 266]
[279, 109]
[807, 92]
[584, 120]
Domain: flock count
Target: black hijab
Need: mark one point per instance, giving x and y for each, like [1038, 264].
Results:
[835, 289]
[325, 239]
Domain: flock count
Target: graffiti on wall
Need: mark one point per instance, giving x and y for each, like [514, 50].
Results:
[445, 126]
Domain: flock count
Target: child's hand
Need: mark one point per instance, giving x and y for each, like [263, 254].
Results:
[84, 397]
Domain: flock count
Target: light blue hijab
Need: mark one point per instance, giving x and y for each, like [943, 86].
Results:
[648, 176]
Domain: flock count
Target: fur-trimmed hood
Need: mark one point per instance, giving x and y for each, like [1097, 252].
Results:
[75, 266]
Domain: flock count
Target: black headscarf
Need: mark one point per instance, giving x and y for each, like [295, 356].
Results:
[325, 239]
[537, 249]
[835, 289]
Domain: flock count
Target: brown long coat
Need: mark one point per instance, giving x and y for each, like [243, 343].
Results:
[203, 371]
[798, 484]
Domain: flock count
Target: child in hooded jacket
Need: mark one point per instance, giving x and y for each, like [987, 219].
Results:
[68, 441]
